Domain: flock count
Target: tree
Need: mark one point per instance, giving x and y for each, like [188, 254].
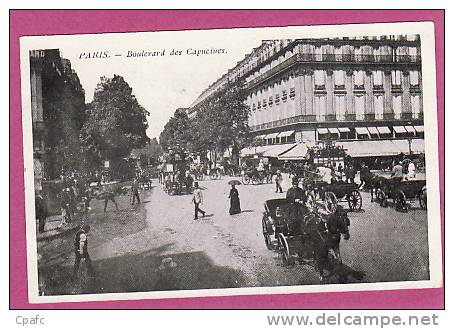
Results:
[177, 131]
[116, 123]
[222, 121]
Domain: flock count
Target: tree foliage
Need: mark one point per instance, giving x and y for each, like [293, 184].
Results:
[177, 131]
[222, 121]
[116, 123]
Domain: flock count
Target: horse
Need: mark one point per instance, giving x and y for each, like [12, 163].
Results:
[107, 195]
[323, 234]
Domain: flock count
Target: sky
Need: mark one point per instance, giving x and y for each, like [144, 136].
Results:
[161, 83]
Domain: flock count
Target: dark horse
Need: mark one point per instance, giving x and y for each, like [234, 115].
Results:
[323, 234]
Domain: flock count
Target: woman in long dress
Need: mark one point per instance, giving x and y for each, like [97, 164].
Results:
[234, 197]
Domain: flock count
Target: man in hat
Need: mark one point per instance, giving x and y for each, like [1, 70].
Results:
[197, 198]
[135, 191]
[296, 199]
[278, 181]
[81, 250]
[398, 172]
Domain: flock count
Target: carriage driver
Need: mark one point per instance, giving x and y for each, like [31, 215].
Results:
[296, 209]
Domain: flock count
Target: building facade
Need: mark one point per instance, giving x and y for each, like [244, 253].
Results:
[58, 112]
[342, 89]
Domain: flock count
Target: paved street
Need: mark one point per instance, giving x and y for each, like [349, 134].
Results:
[158, 246]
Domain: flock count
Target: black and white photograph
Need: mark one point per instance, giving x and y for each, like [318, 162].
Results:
[231, 162]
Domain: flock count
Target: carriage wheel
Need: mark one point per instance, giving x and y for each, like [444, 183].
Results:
[287, 258]
[255, 180]
[213, 175]
[266, 235]
[311, 200]
[401, 202]
[330, 202]
[422, 197]
[381, 198]
[245, 179]
[355, 201]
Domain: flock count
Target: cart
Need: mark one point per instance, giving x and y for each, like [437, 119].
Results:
[402, 193]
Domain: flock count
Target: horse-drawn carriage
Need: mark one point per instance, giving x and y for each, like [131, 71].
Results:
[339, 191]
[255, 176]
[401, 192]
[312, 237]
[331, 194]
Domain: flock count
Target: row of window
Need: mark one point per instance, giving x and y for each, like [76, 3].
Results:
[340, 103]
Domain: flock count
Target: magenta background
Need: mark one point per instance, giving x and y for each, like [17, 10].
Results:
[33, 22]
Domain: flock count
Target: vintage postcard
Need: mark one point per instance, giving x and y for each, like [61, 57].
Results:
[231, 162]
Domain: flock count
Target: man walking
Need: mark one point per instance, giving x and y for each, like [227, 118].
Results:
[81, 250]
[197, 198]
[135, 191]
[278, 181]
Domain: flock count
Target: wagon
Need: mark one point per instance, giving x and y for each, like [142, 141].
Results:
[402, 192]
[340, 191]
[281, 235]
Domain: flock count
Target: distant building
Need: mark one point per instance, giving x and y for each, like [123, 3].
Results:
[361, 89]
[58, 112]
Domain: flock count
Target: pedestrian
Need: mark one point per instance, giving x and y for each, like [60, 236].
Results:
[40, 212]
[81, 250]
[65, 204]
[411, 170]
[350, 173]
[398, 172]
[363, 173]
[234, 197]
[278, 181]
[197, 199]
[135, 191]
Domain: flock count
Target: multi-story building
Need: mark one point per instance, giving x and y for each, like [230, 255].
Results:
[58, 110]
[355, 91]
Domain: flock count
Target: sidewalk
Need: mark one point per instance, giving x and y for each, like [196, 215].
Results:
[51, 229]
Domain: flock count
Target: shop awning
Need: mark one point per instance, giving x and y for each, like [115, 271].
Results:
[417, 146]
[358, 149]
[333, 131]
[322, 130]
[299, 152]
[400, 129]
[419, 129]
[286, 133]
[410, 129]
[344, 129]
[273, 151]
[260, 136]
[362, 130]
[373, 130]
[384, 130]
[273, 135]
[251, 151]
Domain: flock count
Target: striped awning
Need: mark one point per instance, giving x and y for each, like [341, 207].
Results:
[384, 130]
[333, 130]
[400, 129]
[419, 129]
[322, 130]
[410, 129]
[344, 129]
[272, 135]
[373, 130]
[286, 133]
[362, 130]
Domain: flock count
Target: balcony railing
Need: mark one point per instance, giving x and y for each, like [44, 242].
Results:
[337, 118]
[334, 58]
